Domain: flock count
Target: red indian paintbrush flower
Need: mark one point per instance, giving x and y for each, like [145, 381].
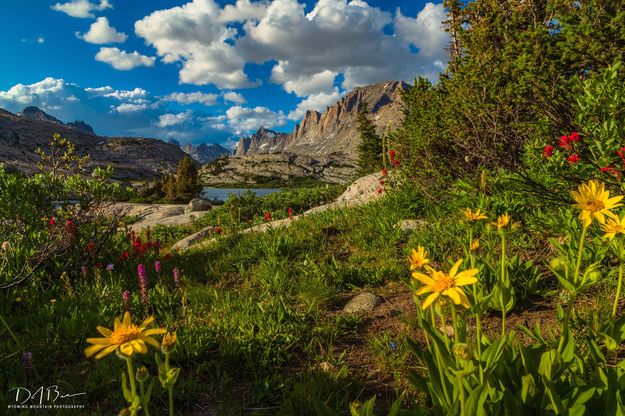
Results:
[267, 216]
[574, 158]
[548, 151]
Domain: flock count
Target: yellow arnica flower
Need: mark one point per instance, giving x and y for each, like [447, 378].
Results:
[475, 244]
[613, 226]
[169, 342]
[595, 202]
[476, 215]
[418, 258]
[125, 336]
[446, 284]
[502, 221]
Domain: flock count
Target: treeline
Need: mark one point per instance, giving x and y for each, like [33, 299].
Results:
[172, 189]
[516, 74]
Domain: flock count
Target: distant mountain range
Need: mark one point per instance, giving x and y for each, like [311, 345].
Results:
[206, 153]
[132, 158]
[322, 146]
[335, 130]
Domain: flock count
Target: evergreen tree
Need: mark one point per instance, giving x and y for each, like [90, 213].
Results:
[187, 186]
[370, 148]
[168, 187]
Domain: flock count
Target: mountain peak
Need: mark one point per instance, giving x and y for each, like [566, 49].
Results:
[206, 152]
[36, 113]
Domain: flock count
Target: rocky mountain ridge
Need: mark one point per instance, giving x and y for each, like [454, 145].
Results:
[132, 158]
[206, 153]
[335, 130]
[37, 114]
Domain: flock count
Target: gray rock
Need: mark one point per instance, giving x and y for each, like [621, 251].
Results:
[187, 242]
[411, 225]
[198, 204]
[363, 302]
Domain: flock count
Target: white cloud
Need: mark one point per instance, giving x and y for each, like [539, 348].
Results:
[101, 32]
[168, 120]
[123, 60]
[116, 112]
[82, 8]
[191, 34]
[243, 10]
[129, 107]
[425, 31]
[192, 97]
[363, 43]
[41, 39]
[234, 97]
[317, 102]
[245, 119]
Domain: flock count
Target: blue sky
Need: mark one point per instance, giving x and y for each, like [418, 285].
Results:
[207, 70]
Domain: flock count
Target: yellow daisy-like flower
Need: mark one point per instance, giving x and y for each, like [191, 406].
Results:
[613, 226]
[502, 221]
[126, 337]
[418, 258]
[595, 202]
[447, 284]
[475, 245]
[473, 216]
[169, 342]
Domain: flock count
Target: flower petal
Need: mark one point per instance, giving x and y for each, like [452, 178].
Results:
[150, 341]
[428, 301]
[106, 351]
[99, 341]
[147, 322]
[127, 320]
[92, 349]
[104, 331]
[453, 295]
[454, 268]
[425, 279]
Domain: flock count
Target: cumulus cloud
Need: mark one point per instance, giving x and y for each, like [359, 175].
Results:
[118, 112]
[243, 10]
[245, 119]
[41, 39]
[192, 35]
[82, 8]
[317, 102]
[123, 60]
[192, 97]
[168, 120]
[363, 43]
[234, 97]
[101, 32]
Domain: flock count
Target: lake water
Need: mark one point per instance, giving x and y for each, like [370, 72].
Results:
[221, 194]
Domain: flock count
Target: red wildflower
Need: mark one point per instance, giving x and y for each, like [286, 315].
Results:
[392, 153]
[125, 256]
[267, 216]
[381, 182]
[69, 227]
[574, 137]
[621, 154]
[290, 212]
[98, 265]
[52, 222]
[384, 172]
[380, 190]
[574, 158]
[91, 246]
[548, 150]
[218, 230]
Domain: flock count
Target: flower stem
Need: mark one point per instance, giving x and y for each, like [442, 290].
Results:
[580, 253]
[144, 403]
[170, 389]
[618, 290]
[463, 410]
[503, 277]
[131, 377]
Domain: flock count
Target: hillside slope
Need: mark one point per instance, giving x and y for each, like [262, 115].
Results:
[132, 158]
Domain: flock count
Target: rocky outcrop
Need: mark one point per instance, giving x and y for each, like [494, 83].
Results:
[131, 158]
[282, 167]
[81, 126]
[264, 141]
[335, 130]
[206, 153]
[198, 204]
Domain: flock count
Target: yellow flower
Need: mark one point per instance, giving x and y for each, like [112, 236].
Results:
[595, 202]
[418, 258]
[476, 215]
[446, 284]
[502, 221]
[169, 342]
[125, 336]
[475, 244]
[612, 227]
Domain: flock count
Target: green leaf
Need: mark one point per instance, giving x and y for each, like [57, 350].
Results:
[321, 408]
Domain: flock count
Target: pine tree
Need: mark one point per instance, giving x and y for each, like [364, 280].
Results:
[187, 186]
[370, 148]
